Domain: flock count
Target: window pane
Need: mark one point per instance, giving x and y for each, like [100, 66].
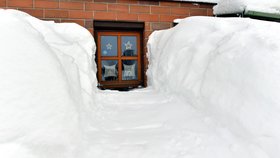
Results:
[109, 45]
[129, 45]
[129, 70]
[109, 70]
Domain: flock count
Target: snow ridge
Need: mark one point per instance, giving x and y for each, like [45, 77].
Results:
[227, 68]
[47, 84]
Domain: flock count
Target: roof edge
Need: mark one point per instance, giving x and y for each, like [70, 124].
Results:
[261, 14]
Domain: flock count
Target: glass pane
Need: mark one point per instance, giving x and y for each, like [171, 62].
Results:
[129, 70]
[109, 70]
[129, 45]
[109, 45]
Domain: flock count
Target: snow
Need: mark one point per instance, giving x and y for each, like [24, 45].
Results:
[203, 1]
[240, 6]
[47, 82]
[213, 92]
[228, 69]
[143, 123]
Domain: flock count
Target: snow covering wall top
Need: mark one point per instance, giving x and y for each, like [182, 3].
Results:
[47, 81]
[239, 6]
[232, 74]
[203, 1]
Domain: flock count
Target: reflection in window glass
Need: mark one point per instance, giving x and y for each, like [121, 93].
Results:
[109, 45]
[129, 45]
[129, 70]
[109, 70]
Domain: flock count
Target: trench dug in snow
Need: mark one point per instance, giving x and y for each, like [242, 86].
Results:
[144, 123]
[213, 93]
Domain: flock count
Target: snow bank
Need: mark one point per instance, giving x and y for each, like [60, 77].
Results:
[239, 6]
[46, 84]
[229, 70]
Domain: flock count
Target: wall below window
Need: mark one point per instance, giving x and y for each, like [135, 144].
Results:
[157, 15]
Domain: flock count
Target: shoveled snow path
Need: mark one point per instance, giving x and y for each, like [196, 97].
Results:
[143, 123]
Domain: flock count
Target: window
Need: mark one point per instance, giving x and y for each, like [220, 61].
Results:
[119, 59]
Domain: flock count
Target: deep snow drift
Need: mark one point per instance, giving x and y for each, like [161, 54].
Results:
[227, 69]
[46, 85]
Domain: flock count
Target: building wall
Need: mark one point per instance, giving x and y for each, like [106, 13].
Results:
[157, 15]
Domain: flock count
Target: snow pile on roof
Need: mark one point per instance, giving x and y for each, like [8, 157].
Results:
[47, 81]
[203, 1]
[229, 70]
[239, 6]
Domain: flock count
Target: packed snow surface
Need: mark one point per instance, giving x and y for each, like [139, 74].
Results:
[240, 6]
[213, 93]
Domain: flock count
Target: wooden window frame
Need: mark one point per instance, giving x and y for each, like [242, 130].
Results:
[119, 58]
[123, 28]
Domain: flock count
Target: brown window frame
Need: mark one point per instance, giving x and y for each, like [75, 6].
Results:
[119, 58]
[120, 28]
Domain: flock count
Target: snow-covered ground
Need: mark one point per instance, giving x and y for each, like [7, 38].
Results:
[146, 124]
[213, 93]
